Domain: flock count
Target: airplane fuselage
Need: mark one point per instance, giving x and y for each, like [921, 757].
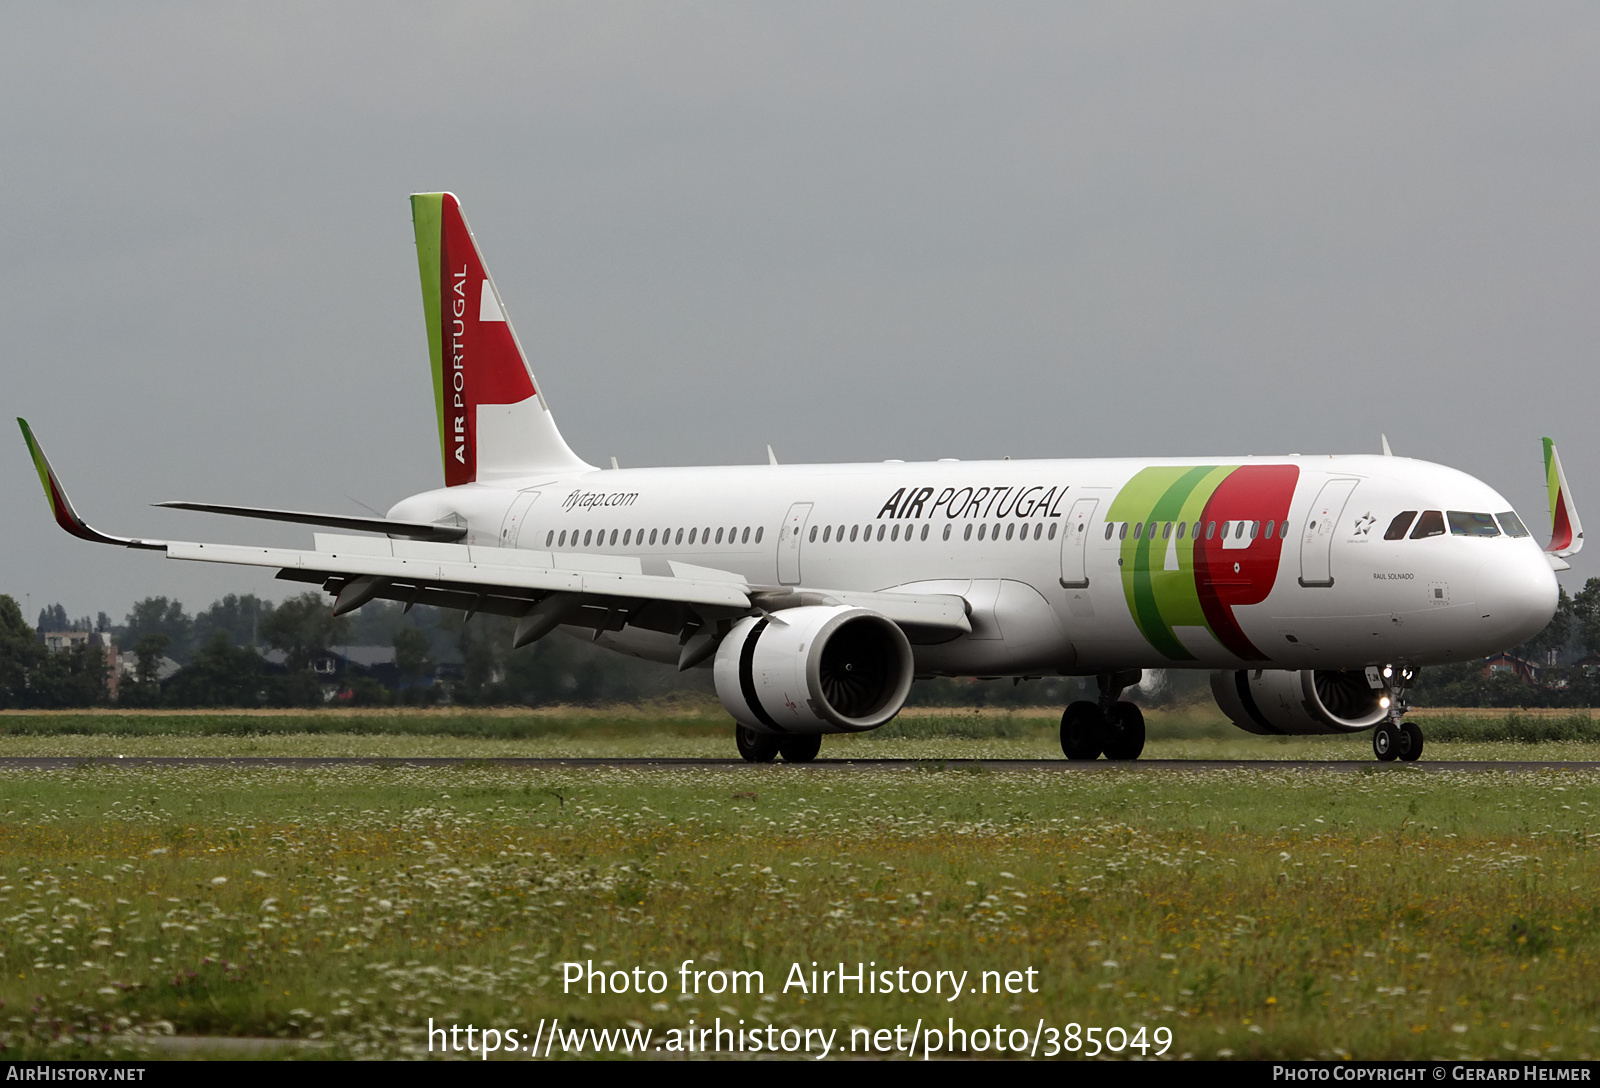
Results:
[1075, 566]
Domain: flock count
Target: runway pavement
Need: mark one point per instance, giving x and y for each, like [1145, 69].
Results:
[820, 766]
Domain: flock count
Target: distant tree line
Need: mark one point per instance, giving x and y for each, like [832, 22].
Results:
[225, 658]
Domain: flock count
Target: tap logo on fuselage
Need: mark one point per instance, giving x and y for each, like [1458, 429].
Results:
[1204, 540]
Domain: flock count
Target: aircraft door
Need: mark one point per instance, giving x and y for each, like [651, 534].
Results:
[1316, 539]
[516, 514]
[1075, 545]
[794, 527]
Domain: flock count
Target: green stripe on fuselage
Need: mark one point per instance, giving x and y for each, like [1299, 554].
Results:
[1159, 598]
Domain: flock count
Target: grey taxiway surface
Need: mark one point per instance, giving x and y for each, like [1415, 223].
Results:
[46, 763]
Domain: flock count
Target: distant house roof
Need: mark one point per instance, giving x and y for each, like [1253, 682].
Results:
[366, 656]
[1504, 662]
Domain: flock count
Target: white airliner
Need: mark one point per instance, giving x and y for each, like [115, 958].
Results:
[1311, 587]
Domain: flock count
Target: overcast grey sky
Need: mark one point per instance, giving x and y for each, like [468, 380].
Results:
[856, 231]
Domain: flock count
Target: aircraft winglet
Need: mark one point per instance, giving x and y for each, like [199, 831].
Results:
[61, 506]
[1566, 530]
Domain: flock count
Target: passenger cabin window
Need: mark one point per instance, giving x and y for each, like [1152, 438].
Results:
[827, 533]
[925, 532]
[1512, 524]
[1110, 528]
[1397, 528]
[1431, 523]
[759, 529]
[947, 529]
[812, 538]
[1463, 523]
[1053, 530]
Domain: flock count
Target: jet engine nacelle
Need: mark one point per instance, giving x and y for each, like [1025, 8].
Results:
[1310, 701]
[814, 669]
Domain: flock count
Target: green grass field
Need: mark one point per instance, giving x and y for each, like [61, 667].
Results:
[1254, 912]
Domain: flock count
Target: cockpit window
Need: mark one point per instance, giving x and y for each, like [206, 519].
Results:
[1397, 527]
[1467, 524]
[1512, 524]
[1431, 523]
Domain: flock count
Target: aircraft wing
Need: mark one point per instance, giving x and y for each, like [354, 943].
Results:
[543, 589]
[509, 579]
[417, 530]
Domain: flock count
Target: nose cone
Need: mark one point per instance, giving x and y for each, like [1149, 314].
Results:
[1517, 595]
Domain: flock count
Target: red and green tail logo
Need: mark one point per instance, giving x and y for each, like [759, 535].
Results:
[475, 355]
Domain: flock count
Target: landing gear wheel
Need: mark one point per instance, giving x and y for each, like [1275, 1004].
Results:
[1410, 742]
[801, 749]
[1083, 731]
[1125, 738]
[753, 746]
[1386, 742]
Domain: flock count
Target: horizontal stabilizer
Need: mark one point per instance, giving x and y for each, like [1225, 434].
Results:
[413, 530]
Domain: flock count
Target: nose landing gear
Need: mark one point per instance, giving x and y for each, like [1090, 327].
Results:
[1109, 726]
[1393, 738]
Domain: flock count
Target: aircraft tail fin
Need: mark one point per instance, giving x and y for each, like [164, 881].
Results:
[1566, 531]
[493, 421]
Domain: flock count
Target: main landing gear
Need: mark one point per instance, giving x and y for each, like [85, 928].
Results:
[758, 747]
[1108, 726]
[1393, 738]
